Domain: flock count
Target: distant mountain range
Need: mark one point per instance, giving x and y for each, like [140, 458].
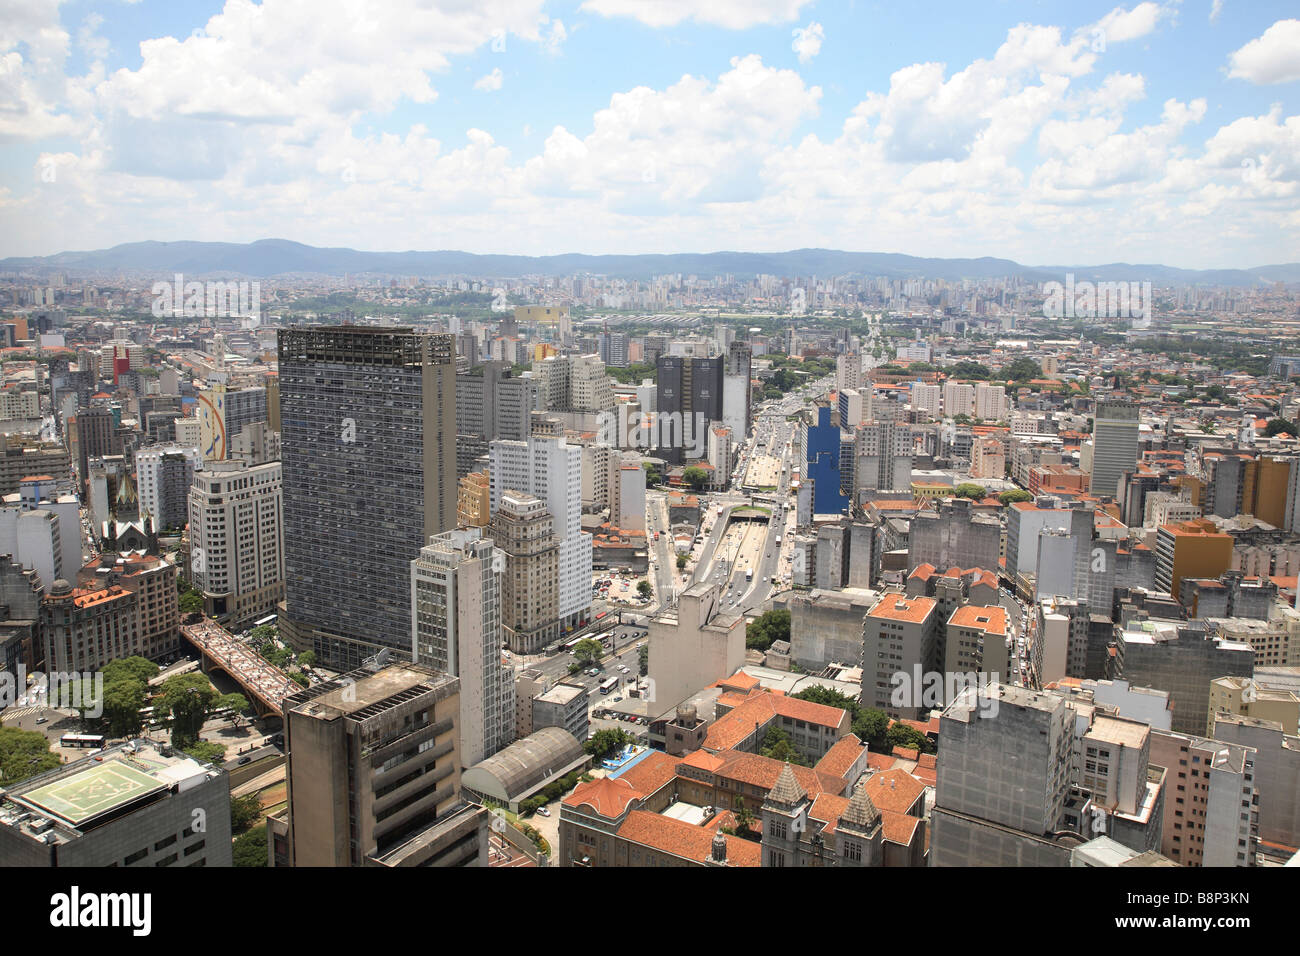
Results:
[280, 257]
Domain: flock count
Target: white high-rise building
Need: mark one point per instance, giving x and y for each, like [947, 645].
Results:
[163, 476]
[456, 629]
[237, 539]
[551, 469]
[1115, 434]
[927, 398]
[990, 402]
[958, 399]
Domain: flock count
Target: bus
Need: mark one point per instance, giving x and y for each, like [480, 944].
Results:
[608, 685]
[749, 574]
[269, 619]
[81, 740]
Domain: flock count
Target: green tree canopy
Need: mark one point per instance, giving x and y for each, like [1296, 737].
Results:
[1276, 426]
[188, 698]
[778, 745]
[606, 742]
[645, 589]
[1012, 495]
[969, 490]
[205, 751]
[1022, 370]
[587, 651]
[23, 754]
[696, 477]
[250, 849]
[768, 627]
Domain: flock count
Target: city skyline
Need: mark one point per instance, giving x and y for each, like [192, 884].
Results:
[1145, 132]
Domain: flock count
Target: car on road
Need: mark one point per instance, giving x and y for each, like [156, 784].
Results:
[543, 811]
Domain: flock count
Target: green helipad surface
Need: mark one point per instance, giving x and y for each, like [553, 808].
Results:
[93, 791]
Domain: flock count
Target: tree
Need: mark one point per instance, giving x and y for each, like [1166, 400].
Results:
[968, 490]
[744, 817]
[1022, 370]
[237, 703]
[696, 477]
[307, 659]
[188, 698]
[652, 476]
[191, 599]
[23, 754]
[643, 660]
[645, 589]
[205, 751]
[1278, 425]
[249, 849]
[901, 735]
[587, 651]
[244, 812]
[1012, 495]
[606, 742]
[768, 627]
[122, 701]
[681, 562]
[778, 745]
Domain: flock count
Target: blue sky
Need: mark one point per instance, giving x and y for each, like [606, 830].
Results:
[1043, 132]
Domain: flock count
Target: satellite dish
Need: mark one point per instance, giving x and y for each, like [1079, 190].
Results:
[382, 657]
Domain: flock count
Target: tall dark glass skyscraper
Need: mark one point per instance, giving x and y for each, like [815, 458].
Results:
[368, 420]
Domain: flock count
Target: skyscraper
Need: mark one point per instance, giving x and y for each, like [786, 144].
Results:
[1114, 445]
[551, 469]
[456, 629]
[369, 430]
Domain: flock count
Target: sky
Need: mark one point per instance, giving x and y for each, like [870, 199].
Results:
[1050, 133]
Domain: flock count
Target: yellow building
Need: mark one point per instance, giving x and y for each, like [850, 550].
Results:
[542, 314]
[1192, 549]
[931, 489]
[1269, 490]
[542, 351]
[472, 501]
[1245, 698]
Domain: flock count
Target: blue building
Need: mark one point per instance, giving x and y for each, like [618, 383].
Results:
[823, 466]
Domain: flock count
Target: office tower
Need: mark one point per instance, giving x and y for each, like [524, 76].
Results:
[737, 389]
[851, 408]
[551, 469]
[975, 644]
[576, 383]
[1114, 446]
[34, 538]
[524, 530]
[223, 413]
[236, 516]
[1277, 774]
[848, 371]
[900, 642]
[456, 629]
[491, 405]
[1002, 778]
[628, 492]
[368, 444]
[1181, 659]
[614, 348]
[373, 770]
[882, 455]
[824, 465]
[955, 536]
[138, 803]
[1134, 490]
[1193, 549]
[690, 401]
[163, 477]
[1214, 820]
[92, 433]
[21, 457]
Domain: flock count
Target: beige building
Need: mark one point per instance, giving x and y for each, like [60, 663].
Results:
[473, 501]
[373, 764]
[694, 644]
[1211, 807]
[1247, 697]
[900, 639]
[524, 530]
[976, 643]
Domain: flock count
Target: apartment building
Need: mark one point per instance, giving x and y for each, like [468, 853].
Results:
[900, 640]
[1211, 816]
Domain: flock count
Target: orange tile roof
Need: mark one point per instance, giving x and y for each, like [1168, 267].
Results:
[651, 772]
[895, 607]
[897, 827]
[993, 620]
[685, 840]
[895, 790]
[760, 708]
[842, 755]
[608, 796]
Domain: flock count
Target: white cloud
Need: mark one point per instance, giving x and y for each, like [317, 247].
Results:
[1121, 25]
[808, 41]
[1273, 57]
[1215, 9]
[732, 14]
[491, 81]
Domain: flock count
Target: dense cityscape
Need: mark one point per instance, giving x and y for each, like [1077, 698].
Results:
[319, 557]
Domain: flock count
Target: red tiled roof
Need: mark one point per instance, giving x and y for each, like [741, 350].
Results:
[684, 839]
[608, 796]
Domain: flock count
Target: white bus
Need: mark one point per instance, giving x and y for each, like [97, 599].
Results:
[608, 685]
[81, 740]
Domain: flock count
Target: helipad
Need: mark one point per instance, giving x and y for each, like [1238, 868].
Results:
[93, 791]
